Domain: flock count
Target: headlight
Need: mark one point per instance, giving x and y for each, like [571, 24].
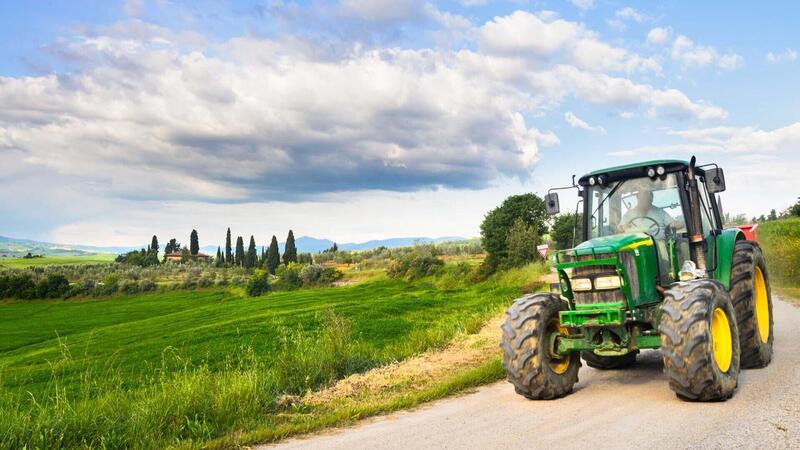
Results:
[581, 284]
[606, 282]
[592, 181]
[660, 170]
[651, 172]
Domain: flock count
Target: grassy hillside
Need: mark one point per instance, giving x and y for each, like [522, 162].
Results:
[780, 240]
[159, 369]
[18, 263]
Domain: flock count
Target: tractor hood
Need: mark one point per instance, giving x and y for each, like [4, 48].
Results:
[607, 244]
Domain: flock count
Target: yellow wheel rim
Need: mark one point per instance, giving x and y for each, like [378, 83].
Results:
[558, 365]
[721, 339]
[762, 305]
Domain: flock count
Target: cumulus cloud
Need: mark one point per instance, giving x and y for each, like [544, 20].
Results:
[150, 114]
[583, 5]
[787, 55]
[659, 36]
[542, 38]
[690, 54]
[759, 163]
[576, 122]
[629, 13]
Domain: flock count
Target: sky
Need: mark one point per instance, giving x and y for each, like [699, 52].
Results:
[369, 119]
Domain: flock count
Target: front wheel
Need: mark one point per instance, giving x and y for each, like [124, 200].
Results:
[700, 341]
[529, 333]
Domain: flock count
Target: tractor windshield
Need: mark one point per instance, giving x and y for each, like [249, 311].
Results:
[636, 205]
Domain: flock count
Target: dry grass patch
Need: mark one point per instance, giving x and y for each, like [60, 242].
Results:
[466, 351]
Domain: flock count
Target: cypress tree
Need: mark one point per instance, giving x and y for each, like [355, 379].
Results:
[194, 243]
[218, 261]
[238, 259]
[290, 251]
[273, 256]
[154, 244]
[252, 256]
[228, 251]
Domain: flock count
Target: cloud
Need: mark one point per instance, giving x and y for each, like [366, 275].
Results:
[659, 36]
[575, 122]
[787, 55]
[133, 8]
[583, 5]
[759, 163]
[690, 54]
[383, 10]
[542, 38]
[629, 13]
[148, 115]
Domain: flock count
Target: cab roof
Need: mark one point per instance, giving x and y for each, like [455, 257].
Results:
[636, 170]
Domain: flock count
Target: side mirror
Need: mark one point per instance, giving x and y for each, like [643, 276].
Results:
[551, 203]
[715, 180]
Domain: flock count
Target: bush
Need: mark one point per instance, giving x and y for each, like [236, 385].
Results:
[258, 284]
[147, 286]
[129, 287]
[19, 286]
[319, 275]
[52, 286]
[289, 276]
[415, 266]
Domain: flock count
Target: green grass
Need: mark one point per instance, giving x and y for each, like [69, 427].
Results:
[21, 263]
[186, 368]
[780, 240]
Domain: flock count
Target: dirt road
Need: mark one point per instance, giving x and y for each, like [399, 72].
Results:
[621, 409]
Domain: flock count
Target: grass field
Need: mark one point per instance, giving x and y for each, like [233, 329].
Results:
[780, 240]
[19, 263]
[183, 368]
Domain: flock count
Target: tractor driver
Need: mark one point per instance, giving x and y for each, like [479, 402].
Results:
[644, 216]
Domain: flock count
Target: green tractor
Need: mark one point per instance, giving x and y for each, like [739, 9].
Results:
[655, 269]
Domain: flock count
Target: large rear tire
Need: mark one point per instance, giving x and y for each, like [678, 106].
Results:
[608, 362]
[700, 341]
[752, 300]
[535, 372]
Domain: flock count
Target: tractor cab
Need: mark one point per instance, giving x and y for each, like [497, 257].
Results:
[650, 198]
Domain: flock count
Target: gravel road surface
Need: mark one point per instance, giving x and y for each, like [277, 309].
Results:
[608, 409]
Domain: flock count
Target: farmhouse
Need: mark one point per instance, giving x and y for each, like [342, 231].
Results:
[177, 257]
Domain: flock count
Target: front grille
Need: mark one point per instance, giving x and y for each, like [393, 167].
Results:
[594, 296]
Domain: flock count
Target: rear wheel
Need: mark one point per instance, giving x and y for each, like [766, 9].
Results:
[529, 335]
[608, 362]
[752, 301]
[700, 341]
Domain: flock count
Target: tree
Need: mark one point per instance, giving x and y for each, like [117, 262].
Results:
[218, 261]
[238, 259]
[290, 251]
[172, 247]
[194, 243]
[794, 210]
[562, 230]
[273, 256]
[154, 244]
[252, 257]
[772, 215]
[228, 250]
[521, 241]
[495, 227]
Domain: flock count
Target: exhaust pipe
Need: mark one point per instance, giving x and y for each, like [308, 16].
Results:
[695, 225]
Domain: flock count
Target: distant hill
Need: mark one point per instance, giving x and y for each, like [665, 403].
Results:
[19, 247]
[314, 245]
[12, 247]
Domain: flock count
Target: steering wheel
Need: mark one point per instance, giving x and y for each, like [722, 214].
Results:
[654, 228]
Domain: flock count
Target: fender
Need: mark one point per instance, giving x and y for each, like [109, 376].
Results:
[726, 241]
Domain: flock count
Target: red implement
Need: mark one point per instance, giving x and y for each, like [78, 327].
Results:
[750, 232]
